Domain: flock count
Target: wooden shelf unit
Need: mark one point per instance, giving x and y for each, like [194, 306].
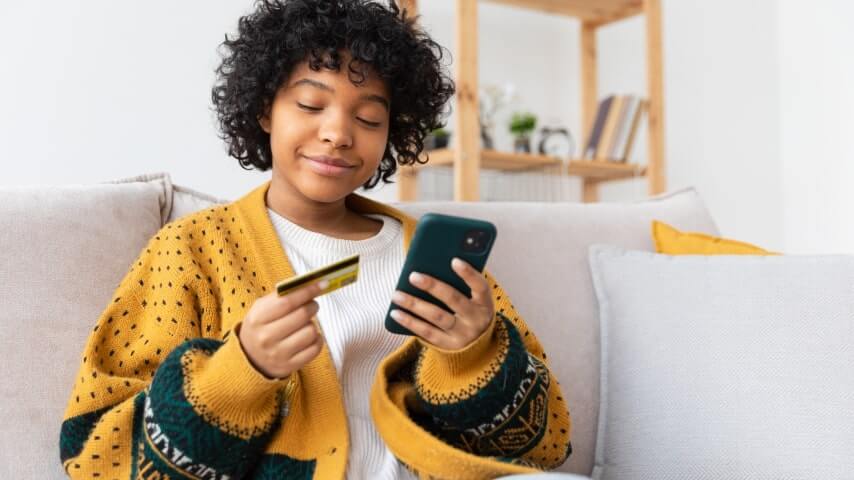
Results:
[466, 156]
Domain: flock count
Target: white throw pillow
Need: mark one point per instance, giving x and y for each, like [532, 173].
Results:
[725, 366]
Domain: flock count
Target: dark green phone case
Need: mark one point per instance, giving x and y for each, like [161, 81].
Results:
[437, 240]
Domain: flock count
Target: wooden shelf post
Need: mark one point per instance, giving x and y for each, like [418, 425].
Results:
[467, 147]
[655, 113]
[407, 177]
[589, 96]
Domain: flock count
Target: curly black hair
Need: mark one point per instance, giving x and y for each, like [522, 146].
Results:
[280, 34]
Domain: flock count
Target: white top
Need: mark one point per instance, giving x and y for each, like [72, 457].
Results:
[352, 322]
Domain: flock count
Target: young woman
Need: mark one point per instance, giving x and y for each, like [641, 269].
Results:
[197, 369]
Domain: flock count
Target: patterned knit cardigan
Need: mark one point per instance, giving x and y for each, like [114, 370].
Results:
[165, 390]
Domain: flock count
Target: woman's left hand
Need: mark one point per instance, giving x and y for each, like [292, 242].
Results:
[445, 330]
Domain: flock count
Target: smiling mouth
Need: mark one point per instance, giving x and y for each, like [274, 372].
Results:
[338, 162]
[328, 169]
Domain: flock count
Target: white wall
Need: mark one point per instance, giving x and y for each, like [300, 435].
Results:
[817, 104]
[95, 90]
[721, 108]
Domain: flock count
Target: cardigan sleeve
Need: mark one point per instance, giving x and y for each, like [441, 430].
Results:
[159, 392]
[497, 397]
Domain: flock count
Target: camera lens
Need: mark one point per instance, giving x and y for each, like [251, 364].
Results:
[474, 241]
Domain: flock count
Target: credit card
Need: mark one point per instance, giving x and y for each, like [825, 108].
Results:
[338, 274]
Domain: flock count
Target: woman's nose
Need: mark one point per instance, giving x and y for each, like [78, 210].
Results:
[336, 130]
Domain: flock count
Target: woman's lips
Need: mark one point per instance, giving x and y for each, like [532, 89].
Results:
[327, 169]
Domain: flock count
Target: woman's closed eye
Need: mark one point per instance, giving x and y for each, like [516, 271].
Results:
[317, 109]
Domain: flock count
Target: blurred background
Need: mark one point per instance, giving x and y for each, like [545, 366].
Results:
[757, 102]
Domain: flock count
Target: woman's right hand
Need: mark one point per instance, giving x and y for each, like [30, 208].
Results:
[278, 335]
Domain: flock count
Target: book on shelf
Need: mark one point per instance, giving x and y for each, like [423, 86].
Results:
[624, 127]
[612, 124]
[598, 124]
[613, 132]
[623, 152]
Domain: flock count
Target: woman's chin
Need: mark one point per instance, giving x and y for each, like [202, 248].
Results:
[326, 191]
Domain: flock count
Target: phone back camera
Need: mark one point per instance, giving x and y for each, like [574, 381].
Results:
[475, 241]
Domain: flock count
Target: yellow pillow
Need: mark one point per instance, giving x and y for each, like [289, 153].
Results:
[670, 241]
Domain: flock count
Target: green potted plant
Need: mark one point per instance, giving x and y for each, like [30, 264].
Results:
[521, 126]
[442, 136]
[437, 138]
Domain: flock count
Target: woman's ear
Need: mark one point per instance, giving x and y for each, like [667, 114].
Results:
[264, 121]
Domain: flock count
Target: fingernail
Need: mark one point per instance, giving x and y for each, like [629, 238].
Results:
[323, 284]
[395, 314]
[416, 277]
[456, 262]
[398, 297]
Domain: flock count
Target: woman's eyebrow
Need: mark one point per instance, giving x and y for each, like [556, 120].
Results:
[367, 96]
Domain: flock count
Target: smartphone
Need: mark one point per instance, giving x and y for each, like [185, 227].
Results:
[436, 241]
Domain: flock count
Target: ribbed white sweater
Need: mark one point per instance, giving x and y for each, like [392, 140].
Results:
[352, 322]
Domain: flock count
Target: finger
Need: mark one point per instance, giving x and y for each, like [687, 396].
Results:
[286, 325]
[293, 300]
[474, 279]
[426, 310]
[449, 295]
[300, 340]
[308, 354]
[425, 330]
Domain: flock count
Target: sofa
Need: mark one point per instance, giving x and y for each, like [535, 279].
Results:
[64, 249]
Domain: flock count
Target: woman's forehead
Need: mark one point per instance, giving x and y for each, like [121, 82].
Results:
[332, 78]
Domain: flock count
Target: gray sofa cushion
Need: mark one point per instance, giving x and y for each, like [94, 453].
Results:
[63, 251]
[540, 258]
[186, 201]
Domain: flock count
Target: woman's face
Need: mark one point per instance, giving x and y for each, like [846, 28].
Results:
[327, 135]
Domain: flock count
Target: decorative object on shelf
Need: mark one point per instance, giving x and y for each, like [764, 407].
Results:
[438, 138]
[493, 98]
[556, 142]
[521, 126]
[486, 142]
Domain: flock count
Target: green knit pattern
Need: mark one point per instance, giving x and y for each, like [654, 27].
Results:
[278, 467]
[170, 416]
[456, 423]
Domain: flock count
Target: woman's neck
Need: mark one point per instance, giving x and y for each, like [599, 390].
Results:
[332, 219]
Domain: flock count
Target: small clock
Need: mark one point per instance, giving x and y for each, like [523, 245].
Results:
[557, 142]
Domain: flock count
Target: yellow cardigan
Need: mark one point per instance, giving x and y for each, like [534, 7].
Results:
[166, 391]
